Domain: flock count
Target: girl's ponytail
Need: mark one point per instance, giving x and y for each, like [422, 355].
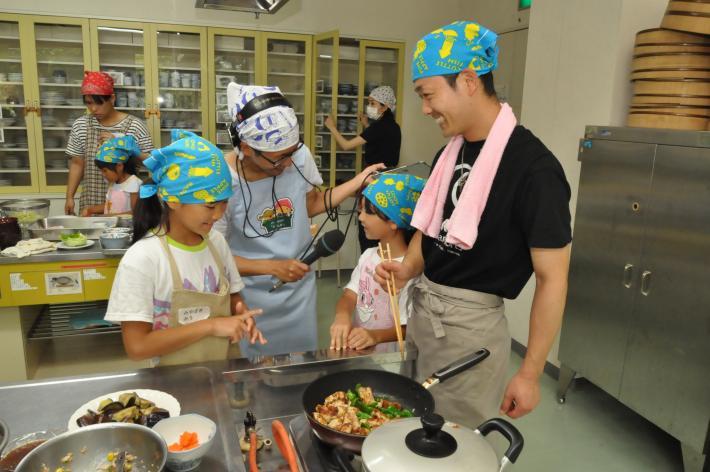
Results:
[149, 213]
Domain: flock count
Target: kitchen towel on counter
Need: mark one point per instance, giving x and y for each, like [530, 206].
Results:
[29, 247]
[463, 224]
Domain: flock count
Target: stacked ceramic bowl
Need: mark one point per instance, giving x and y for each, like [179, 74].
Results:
[14, 76]
[52, 97]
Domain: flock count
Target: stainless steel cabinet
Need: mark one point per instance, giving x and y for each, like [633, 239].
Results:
[637, 322]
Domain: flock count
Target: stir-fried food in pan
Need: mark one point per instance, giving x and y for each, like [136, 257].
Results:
[357, 411]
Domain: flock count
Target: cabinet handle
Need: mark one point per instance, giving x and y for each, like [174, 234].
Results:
[645, 282]
[147, 112]
[38, 109]
[628, 274]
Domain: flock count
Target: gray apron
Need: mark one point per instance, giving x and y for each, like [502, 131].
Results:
[449, 323]
[209, 348]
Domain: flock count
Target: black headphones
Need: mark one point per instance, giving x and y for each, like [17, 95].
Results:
[254, 106]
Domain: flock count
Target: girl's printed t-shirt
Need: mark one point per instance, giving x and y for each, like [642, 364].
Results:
[372, 310]
[143, 285]
[118, 196]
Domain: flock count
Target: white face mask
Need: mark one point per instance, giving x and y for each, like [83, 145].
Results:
[372, 113]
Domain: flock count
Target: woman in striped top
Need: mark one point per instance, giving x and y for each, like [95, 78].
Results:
[89, 131]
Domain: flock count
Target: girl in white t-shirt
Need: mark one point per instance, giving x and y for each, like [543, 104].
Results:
[386, 208]
[119, 170]
[176, 291]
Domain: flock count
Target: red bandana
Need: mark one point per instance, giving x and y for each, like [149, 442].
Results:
[97, 83]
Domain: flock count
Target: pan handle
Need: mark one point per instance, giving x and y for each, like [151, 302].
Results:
[510, 433]
[342, 459]
[456, 367]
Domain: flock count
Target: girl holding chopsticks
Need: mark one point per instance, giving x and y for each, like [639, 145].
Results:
[386, 207]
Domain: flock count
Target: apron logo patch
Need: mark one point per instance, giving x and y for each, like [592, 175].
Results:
[278, 217]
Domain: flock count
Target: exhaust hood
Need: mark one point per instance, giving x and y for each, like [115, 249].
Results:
[253, 6]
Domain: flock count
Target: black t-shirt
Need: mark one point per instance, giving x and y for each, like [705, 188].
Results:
[528, 207]
[383, 138]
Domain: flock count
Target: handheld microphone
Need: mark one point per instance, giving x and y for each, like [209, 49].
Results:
[327, 245]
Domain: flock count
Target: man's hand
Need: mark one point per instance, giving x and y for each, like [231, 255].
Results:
[69, 206]
[289, 270]
[402, 273]
[367, 174]
[329, 122]
[521, 395]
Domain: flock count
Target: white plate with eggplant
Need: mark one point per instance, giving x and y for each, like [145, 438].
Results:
[141, 406]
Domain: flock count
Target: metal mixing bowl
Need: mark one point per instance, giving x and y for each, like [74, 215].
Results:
[96, 442]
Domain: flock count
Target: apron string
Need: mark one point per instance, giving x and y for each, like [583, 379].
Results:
[173, 267]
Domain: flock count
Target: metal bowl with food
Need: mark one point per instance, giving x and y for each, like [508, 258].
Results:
[27, 211]
[100, 447]
[19, 447]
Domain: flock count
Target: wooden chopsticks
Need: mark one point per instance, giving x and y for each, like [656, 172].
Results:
[394, 299]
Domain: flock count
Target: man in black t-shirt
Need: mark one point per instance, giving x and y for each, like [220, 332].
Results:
[524, 229]
[381, 138]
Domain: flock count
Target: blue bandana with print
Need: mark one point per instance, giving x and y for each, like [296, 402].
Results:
[188, 170]
[395, 195]
[117, 150]
[453, 48]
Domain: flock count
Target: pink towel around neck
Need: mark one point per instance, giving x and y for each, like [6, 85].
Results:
[463, 224]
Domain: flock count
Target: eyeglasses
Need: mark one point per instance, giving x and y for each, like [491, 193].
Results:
[280, 160]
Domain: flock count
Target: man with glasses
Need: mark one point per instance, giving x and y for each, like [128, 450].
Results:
[267, 222]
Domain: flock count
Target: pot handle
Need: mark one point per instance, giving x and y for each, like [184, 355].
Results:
[510, 432]
[342, 459]
[456, 367]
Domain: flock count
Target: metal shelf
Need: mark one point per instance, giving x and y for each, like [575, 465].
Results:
[55, 321]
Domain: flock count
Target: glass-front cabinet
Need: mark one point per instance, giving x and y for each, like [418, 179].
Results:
[15, 164]
[348, 108]
[180, 98]
[122, 51]
[325, 74]
[175, 76]
[287, 65]
[232, 58]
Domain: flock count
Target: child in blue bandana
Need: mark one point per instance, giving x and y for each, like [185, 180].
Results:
[118, 168]
[176, 293]
[386, 208]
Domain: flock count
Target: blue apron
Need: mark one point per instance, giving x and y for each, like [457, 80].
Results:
[289, 319]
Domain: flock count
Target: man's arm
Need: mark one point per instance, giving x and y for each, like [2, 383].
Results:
[551, 267]
[76, 173]
[315, 199]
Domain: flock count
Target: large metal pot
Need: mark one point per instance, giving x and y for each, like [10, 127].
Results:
[428, 443]
[90, 446]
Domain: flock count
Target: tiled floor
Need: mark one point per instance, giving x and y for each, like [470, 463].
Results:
[591, 432]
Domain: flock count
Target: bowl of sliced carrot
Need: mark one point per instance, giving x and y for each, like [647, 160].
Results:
[189, 437]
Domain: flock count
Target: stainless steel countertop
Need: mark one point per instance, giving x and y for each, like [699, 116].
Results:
[273, 388]
[93, 252]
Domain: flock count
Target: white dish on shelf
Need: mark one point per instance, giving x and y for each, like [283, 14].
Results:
[61, 245]
[161, 399]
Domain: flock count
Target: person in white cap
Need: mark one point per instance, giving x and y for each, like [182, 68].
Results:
[382, 137]
[267, 222]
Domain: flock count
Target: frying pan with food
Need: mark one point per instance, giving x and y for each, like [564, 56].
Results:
[394, 387]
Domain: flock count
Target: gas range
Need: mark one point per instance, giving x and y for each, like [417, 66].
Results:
[313, 454]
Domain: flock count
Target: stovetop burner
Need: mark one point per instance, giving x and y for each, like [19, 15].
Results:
[314, 453]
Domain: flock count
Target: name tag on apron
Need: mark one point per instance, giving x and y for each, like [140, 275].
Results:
[192, 314]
